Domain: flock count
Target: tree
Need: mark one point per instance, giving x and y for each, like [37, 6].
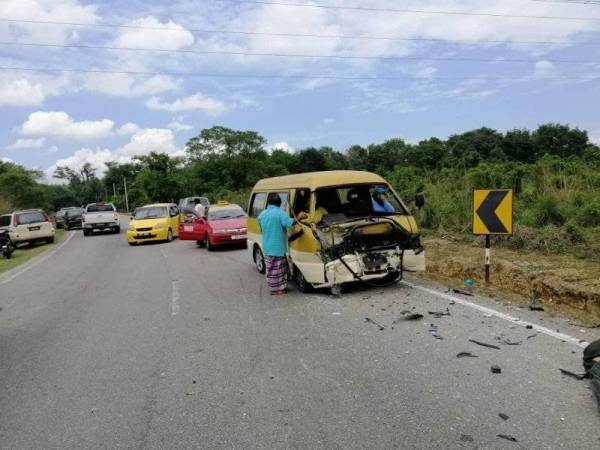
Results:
[358, 157]
[472, 147]
[561, 140]
[225, 141]
[159, 177]
[518, 145]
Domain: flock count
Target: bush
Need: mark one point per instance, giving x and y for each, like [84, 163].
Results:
[588, 214]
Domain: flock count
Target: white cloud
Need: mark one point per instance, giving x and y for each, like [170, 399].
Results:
[155, 35]
[21, 93]
[143, 142]
[127, 85]
[280, 146]
[178, 124]
[197, 101]
[544, 69]
[22, 143]
[58, 123]
[128, 128]
[64, 11]
[6, 159]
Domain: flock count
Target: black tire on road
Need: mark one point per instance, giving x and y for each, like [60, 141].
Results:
[201, 243]
[50, 240]
[209, 246]
[259, 260]
[86, 232]
[303, 286]
[117, 230]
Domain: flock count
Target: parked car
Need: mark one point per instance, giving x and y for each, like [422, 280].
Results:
[191, 202]
[223, 224]
[29, 226]
[100, 216]
[157, 222]
[73, 218]
[59, 218]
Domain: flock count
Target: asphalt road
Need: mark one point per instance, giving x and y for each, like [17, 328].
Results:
[103, 345]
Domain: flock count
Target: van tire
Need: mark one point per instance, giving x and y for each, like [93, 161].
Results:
[169, 235]
[303, 286]
[50, 240]
[259, 259]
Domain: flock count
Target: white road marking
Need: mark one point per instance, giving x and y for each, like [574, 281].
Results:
[174, 297]
[37, 262]
[500, 315]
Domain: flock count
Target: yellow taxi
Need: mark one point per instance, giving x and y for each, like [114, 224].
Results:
[157, 222]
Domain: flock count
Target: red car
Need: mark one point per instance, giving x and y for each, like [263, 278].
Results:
[222, 224]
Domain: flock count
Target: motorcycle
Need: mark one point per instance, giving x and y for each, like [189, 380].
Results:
[6, 246]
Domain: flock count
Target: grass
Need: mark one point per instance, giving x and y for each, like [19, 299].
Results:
[24, 254]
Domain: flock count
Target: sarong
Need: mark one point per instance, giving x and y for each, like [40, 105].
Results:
[276, 272]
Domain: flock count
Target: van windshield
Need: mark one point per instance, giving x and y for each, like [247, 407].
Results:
[346, 202]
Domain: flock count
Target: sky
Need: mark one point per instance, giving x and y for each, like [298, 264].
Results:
[84, 81]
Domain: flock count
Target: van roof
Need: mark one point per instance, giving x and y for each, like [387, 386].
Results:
[314, 180]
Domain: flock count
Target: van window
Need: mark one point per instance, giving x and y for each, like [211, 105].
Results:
[257, 204]
[302, 201]
[30, 217]
[354, 201]
[285, 198]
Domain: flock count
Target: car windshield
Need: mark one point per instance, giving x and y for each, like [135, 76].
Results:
[358, 201]
[74, 211]
[100, 208]
[230, 212]
[157, 212]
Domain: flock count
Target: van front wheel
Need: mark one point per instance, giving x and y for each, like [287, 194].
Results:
[259, 260]
[303, 286]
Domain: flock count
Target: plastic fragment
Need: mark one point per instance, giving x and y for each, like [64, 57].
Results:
[496, 369]
[503, 416]
[483, 344]
[508, 437]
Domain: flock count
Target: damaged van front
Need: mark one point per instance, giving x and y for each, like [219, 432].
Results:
[357, 229]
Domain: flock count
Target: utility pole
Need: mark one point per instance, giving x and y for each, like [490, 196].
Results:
[126, 198]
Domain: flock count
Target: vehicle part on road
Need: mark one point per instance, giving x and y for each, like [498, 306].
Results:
[462, 291]
[466, 438]
[496, 369]
[529, 327]
[508, 437]
[503, 416]
[415, 316]
[591, 355]
[439, 314]
[483, 344]
[466, 355]
[369, 320]
[577, 376]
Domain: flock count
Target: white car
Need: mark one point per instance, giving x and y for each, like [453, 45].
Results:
[100, 216]
[28, 226]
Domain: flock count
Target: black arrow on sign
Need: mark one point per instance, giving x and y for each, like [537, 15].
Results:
[487, 212]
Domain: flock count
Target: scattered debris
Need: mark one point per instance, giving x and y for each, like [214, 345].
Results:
[193, 381]
[483, 344]
[531, 336]
[468, 283]
[466, 355]
[439, 314]
[529, 327]
[503, 416]
[509, 342]
[508, 437]
[433, 328]
[496, 369]
[466, 438]
[463, 292]
[336, 313]
[369, 320]
[366, 297]
[452, 302]
[207, 318]
[191, 393]
[577, 376]
[410, 317]
[437, 336]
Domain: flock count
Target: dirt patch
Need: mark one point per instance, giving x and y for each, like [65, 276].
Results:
[560, 280]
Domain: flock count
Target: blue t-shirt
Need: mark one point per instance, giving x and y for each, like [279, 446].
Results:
[273, 224]
[387, 206]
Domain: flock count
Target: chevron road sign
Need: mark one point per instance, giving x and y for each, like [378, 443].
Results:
[492, 211]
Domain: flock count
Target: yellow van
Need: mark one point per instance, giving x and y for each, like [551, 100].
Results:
[345, 238]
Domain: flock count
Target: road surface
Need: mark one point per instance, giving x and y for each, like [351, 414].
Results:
[103, 345]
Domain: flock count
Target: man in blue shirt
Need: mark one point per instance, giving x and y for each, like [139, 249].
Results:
[273, 224]
[380, 201]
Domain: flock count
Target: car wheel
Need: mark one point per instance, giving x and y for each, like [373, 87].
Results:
[132, 243]
[66, 227]
[86, 232]
[169, 235]
[200, 243]
[118, 230]
[259, 260]
[50, 240]
[303, 285]
[209, 246]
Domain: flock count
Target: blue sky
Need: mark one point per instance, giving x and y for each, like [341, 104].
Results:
[425, 88]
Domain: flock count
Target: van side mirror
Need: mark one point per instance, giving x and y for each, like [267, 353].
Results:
[419, 200]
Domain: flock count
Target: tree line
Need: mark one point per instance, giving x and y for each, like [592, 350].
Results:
[554, 170]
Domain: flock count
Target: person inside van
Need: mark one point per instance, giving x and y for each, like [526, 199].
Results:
[380, 201]
[303, 212]
[274, 222]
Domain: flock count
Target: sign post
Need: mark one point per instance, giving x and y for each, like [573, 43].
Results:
[492, 215]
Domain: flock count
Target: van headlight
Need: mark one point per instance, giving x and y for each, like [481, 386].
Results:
[159, 226]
